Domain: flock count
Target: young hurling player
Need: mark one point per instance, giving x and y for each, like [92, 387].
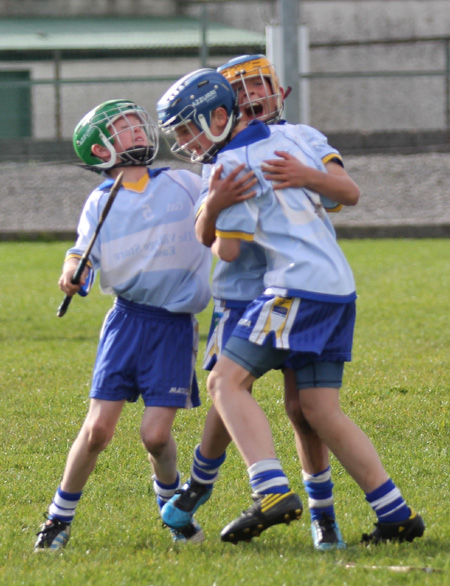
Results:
[254, 80]
[149, 258]
[305, 315]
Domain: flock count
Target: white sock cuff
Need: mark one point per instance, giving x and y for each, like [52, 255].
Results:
[264, 466]
[323, 476]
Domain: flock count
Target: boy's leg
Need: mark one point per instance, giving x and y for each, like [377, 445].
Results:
[313, 453]
[359, 457]
[156, 434]
[316, 471]
[95, 434]
[247, 424]
[244, 419]
[209, 455]
[344, 438]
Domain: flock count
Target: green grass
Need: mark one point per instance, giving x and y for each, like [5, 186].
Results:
[396, 389]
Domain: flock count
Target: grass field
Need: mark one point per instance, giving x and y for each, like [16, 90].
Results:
[396, 389]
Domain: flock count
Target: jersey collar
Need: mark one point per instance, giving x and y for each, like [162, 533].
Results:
[254, 132]
[151, 173]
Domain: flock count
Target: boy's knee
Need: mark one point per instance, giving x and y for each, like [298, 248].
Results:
[297, 417]
[155, 440]
[98, 437]
[292, 407]
[213, 384]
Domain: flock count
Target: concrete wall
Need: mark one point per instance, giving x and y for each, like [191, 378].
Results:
[328, 20]
[63, 8]
[358, 103]
[337, 20]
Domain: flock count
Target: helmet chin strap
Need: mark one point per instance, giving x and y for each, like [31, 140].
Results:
[107, 164]
[221, 137]
[217, 140]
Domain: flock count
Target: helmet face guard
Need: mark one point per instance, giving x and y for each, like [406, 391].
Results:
[98, 127]
[268, 107]
[187, 108]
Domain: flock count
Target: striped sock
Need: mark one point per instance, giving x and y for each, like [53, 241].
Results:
[206, 470]
[164, 492]
[388, 503]
[267, 477]
[319, 489]
[64, 505]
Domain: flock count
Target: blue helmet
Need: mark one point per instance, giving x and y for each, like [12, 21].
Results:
[193, 99]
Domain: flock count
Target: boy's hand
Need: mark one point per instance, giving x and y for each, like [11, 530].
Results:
[226, 192]
[65, 280]
[287, 171]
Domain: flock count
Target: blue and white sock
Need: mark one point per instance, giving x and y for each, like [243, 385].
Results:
[64, 505]
[319, 489]
[206, 470]
[164, 492]
[267, 477]
[388, 503]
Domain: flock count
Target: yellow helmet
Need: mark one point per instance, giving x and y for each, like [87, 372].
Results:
[268, 107]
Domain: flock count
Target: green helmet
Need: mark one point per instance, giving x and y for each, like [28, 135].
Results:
[96, 128]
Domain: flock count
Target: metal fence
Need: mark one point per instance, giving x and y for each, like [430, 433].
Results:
[382, 85]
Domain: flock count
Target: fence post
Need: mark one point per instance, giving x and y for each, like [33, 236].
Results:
[57, 73]
[204, 37]
[289, 10]
[447, 83]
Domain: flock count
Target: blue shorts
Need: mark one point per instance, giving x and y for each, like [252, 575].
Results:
[316, 328]
[292, 332]
[147, 351]
[223, 322]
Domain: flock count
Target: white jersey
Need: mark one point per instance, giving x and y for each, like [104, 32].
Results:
[290, 225]
[146, 250]
[242, 280]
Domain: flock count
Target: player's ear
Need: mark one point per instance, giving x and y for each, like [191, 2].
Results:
[219, 118]
[101, 152]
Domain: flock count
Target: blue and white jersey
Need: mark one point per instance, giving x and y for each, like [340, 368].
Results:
[302, 255]
[241, 281]
[318, 143]
[146, 250]
[237, 283]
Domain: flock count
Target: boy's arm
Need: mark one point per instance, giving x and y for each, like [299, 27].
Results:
[227, 249]
[336, 183]
[223, 193]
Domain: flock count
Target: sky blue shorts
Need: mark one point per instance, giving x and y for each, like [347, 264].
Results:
[147, 351]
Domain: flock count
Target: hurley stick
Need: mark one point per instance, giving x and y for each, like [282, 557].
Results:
[84, 259]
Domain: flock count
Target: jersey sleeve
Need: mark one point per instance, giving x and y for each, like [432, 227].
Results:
[86, 227]
[318, 142]
[239, 220]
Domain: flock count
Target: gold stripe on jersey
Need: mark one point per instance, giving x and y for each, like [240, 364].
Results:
[199, 211]
[239, 235]
[332, 156]
[78, 257]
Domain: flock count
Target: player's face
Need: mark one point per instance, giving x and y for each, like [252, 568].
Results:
[192, 140]
[255, 98]
[130, 132]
